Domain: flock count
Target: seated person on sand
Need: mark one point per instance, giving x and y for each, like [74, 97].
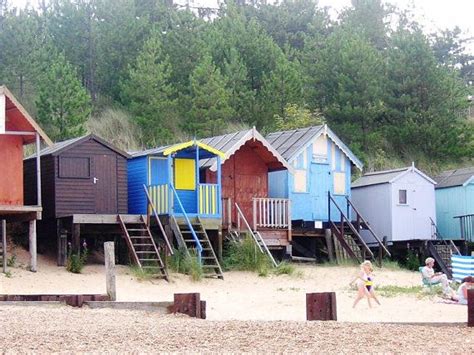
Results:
[430, 277]
[467, 283]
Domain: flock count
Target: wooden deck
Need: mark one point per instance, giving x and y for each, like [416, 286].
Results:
[14, 213]
[102, 218]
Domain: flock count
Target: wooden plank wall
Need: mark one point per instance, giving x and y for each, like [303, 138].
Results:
[11, 176]
[47, 184]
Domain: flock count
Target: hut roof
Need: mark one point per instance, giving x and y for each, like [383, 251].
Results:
[456, 177]
[291, 143]
[387, 176]
[63, 146]
[230, 143]
[16, 118]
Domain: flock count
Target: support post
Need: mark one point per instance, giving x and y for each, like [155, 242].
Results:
[109, 253]
[220, 243]
[328, 236]
[38, 170]
[76, 238]
[32, 238]
[470, 308]
[321, 306]
[4, 244]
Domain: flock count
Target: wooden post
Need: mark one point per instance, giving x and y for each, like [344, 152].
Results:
[4, 244]
[321, 306]
[32, 238]
[109, 253]
[470, 308]
[76, 238]
[38, 170]
[220, 243]
[328, 236]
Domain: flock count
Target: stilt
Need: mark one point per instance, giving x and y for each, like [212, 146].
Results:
[4, 245]
[32, 238]
[76, 238]
[328, 236]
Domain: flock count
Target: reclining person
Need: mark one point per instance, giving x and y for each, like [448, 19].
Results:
[433, 278]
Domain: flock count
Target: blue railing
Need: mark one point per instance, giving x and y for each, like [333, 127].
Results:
[188, 222]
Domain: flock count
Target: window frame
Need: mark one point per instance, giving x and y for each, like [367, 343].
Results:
[60, 172]
[399, 197]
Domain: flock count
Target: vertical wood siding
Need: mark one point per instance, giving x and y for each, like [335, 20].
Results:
[11, 176]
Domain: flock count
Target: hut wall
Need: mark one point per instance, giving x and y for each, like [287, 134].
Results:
[11, 177]
[137, 176]
[451, 202]
[47, 184]
[75, 170]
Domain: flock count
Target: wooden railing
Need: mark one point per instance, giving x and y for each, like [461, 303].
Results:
[436, 235]
[160, 198]
[208, 199]
[271, 213]
[467, 227]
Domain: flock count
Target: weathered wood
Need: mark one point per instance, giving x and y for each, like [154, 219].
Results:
[104, 218]
[4, 245]
[76, 238]
[202, 305]
[187, 303]
[470, 308]
[321, 306]
[61, 243]
[38, 169]
[76, 300]
[329, 243]
[109, 253]
[32, 240]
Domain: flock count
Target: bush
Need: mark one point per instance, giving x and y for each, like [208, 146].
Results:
[284, 268]
[244, 255]
[412, 261]
[11, 261]
[76, 262]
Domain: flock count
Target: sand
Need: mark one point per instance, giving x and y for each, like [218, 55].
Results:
[242, 295]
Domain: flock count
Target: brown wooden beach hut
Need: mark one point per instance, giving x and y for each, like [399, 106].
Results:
[17, 129]
[84, 183]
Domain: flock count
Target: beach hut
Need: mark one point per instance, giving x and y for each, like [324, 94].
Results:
[399, 203]
[17, 129]
[168, 181]
[84, 189]
[248, 160]
[455, 204]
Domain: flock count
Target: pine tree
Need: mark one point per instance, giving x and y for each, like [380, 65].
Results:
[210, 107]
[63, 104]
[149, 95]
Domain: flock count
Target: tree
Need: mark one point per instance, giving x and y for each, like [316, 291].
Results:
[295, 116]
[63, 104]
[149, 94]
[210, 108]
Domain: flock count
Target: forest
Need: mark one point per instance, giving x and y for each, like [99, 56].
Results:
[143, 73]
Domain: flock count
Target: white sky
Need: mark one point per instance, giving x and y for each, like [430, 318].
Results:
[433, 14]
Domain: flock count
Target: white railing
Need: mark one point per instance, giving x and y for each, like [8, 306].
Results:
[271, 213]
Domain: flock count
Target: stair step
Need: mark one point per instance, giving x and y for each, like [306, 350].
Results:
[142, 245]
[209, 266]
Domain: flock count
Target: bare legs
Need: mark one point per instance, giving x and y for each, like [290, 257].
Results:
[363, 292]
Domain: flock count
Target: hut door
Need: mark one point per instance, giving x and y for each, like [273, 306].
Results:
[319, 187]
[105, 181]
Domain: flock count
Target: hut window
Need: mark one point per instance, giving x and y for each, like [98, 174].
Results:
[339, 183]
[300, 181]
[185, 174]
[320, 148]
[343, 162]
[301, 161]
[402, 197]
[74, 168]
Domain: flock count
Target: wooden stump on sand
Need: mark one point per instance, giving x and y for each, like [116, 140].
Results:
[470, 308]
[321, 306]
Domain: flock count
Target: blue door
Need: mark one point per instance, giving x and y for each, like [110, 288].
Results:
[158, 171]
[319, 187]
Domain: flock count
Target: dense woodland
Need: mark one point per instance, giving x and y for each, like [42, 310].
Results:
[143, 73]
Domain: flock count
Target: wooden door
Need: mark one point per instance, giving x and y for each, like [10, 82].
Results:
[247, 187]
[105, 181]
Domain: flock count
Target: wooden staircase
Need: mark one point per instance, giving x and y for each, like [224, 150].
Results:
[193, 236]
[142, 246]
[442, 250]
[347, 234]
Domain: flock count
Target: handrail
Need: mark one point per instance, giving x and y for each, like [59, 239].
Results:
[155, 214]
[239, 211]
[440, 237]
[359, 215]
[188, 222]
[343, 216]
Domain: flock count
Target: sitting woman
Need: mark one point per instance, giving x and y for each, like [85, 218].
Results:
[432, 278]
[467, 283]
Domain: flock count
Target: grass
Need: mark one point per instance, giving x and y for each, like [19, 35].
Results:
[186, 263]
[141, 274]
[244, 255]
[419, 291]
[11, 261]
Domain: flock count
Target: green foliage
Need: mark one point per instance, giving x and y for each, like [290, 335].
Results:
[186, 263]
[295, 116]
[11, 261]
[412, 261]
[63, 104]
[285, 268]
[76, 262]
[244, 255]
[141, 274]
[149, 94]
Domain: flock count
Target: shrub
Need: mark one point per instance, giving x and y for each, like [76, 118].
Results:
[244, 255]
[284, 268]
[187, 263]
[412, 261]
[76, 262]
[11, 261]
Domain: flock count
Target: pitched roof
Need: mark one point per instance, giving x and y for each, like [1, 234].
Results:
[456, 177]
[15, 109]
[230, 143]
[290, 143]
[60, 147]
[387, 176]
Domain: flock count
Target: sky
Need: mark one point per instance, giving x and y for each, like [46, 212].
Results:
[433, 14]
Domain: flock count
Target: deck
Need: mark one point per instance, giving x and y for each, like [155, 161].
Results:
[14, 213]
